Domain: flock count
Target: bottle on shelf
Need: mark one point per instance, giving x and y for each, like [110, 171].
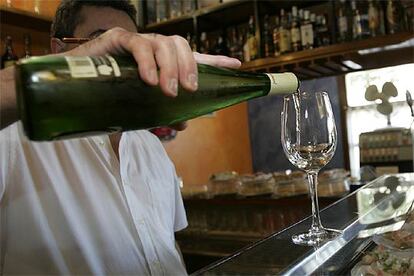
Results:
[374, 18]
[267, 38]
[9, 58]
[175, 8]
[381, 17]
[188, 6]
[323, 37]
[151, 12]
[295, 31]
[356, 22]
[285, 45]
[276, 37]
[192, 41]
[221, 46]
[60, 97]
[246, 49]
[161, 10]
[343, 22]
[27, 46]
[395, 17]
[306, 31]
[204, 43]
[236, 44]
[240, 44]
[301, 15]
[313, 21]
[364, 14]
[252, 40]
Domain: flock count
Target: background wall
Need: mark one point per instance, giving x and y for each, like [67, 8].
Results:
[212, 144]
[264, 121]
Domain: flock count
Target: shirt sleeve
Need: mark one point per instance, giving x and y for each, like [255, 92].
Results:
[6, 147]
[180, 218]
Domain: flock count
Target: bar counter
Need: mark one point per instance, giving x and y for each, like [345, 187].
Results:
[378, 207]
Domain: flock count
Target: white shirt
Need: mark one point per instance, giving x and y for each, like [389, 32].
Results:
[70, 207]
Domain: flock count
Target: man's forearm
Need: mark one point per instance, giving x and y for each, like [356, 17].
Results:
[8, 104]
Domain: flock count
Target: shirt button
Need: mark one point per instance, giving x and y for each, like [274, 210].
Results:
[141, 222]
[101, 142]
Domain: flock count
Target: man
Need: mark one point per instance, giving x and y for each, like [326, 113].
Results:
[99, 205]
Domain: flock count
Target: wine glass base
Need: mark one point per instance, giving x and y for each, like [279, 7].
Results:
[312, 238]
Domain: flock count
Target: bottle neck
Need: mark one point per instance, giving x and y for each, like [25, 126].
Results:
[283, 83]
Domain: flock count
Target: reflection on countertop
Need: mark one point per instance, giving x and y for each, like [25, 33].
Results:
[379, 206]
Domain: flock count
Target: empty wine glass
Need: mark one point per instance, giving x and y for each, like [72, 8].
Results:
[309, 141]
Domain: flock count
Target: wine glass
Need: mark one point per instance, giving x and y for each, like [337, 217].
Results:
[309, 141]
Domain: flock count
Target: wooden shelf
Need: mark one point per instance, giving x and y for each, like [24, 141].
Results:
[167, 23]
[199, 12]
[371, 53]
[23, 13]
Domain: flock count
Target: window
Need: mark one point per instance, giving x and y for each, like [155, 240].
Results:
[362, 115]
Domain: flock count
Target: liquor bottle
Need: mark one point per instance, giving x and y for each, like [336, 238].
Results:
[364, 14]
[246, 49]
[235, 44]
[306, 31]
[356, 22]
[381, 18]
[192, 41]
[161, 7]
[27, 46]
[323, 37]
[374, 19]
[188, 6]
[240, 41]
[342, 22]
[301, 16]
[175, 8]
[267, 38]
[221, 46]
[276, 37]
[151, 12]
[395, 17]
[61, 97]
[204, 43]
[9, 58]
[285, 41]
[295, 31]
[252, 40]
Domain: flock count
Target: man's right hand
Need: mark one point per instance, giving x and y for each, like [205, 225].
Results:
[171, 54]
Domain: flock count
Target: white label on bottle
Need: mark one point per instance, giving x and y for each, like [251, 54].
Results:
[81, 67]
[307, 34]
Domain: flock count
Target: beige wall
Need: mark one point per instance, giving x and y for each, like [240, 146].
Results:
[210, 145]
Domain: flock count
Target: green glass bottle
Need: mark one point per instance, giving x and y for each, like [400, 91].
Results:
[61, 97]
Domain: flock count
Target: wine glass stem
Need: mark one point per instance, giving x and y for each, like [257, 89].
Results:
[313, 184]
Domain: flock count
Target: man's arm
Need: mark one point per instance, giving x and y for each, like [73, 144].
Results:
[171, 54]
[8, 105]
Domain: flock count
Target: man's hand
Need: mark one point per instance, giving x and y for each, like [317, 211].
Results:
[171, 54]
